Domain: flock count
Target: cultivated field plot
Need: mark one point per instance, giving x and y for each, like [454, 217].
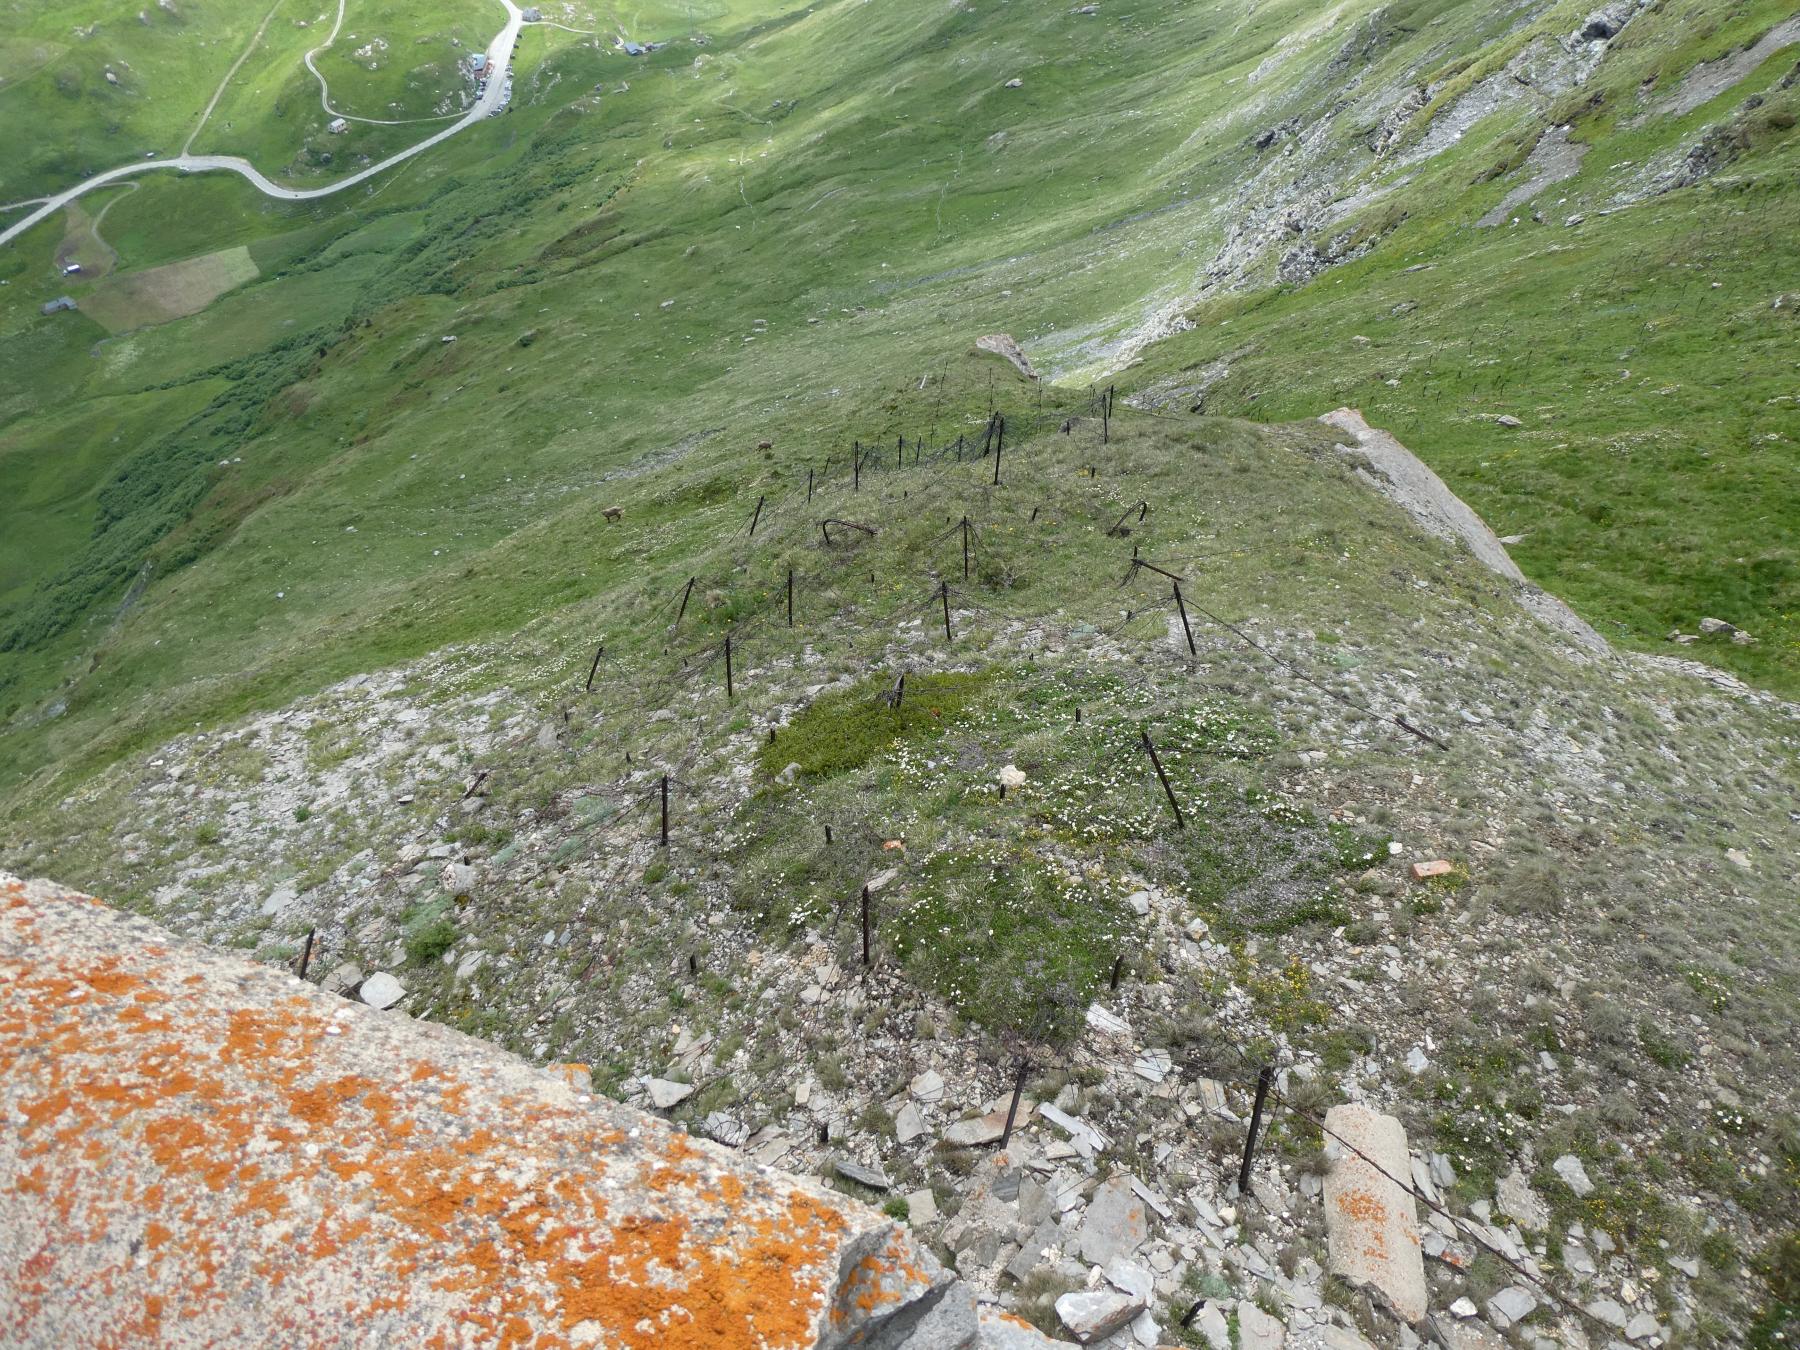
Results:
[172, 291]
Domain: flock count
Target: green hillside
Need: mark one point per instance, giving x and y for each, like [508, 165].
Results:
[324, 509]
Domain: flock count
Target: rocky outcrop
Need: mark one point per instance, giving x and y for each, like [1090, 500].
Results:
[1399, 475]
[201, 1150]
[1004, 345]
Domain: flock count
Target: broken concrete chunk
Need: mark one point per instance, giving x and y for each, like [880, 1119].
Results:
[1371, 1224]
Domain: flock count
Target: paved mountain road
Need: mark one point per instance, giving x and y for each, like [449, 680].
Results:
[499, 55]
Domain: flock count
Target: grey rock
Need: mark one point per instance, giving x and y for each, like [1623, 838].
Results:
[381, 990]
[1257, 1330]
[458, 878]
[1574, 1175]
[1642, 1327]
[908, 1123]
[1511, 1305]
[861, 1174]
[1089, 1315]
[725, 1129]
[1213, 1326]
[1516, 1198]
[664, 1094]
[1046, 1237]
[927, 1087]
[977, 1131]
[1607, 1311]
[1002, 1331]
[342, 978]
[952, 1323]
[1153, 1065]
[921, 1208]
[1087, 1140]
[1106, 1023]
[1115, 1224]
[1128, 1277]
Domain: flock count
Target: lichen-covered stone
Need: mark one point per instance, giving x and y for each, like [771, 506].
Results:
[1371, 1222]
[199, 1150]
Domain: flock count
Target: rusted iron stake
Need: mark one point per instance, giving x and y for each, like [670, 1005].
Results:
[1168, 791]
[1262, 1095]
[1013, 1110]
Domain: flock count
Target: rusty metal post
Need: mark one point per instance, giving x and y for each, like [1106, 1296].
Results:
[1168, 792]
[1262, 1095]
[1013, 1110]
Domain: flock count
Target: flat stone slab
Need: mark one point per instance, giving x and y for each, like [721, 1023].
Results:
[1371, 1222]
[381, 990]
[861, 1174]
[664, 1093]
[976, 1131]
[1115, 1224]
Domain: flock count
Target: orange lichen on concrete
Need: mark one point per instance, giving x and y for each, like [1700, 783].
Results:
[198, 1145]
[1373, 1214]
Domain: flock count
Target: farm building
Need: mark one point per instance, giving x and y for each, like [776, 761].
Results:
[58, 304]
[338, 126]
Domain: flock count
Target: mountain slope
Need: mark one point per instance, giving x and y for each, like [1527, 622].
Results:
[377, 596]
[921, 192]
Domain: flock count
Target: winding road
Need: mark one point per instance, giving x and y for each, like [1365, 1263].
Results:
[499, 54]
[325, 89]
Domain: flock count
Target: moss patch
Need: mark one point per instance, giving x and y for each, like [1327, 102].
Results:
[845, 730]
